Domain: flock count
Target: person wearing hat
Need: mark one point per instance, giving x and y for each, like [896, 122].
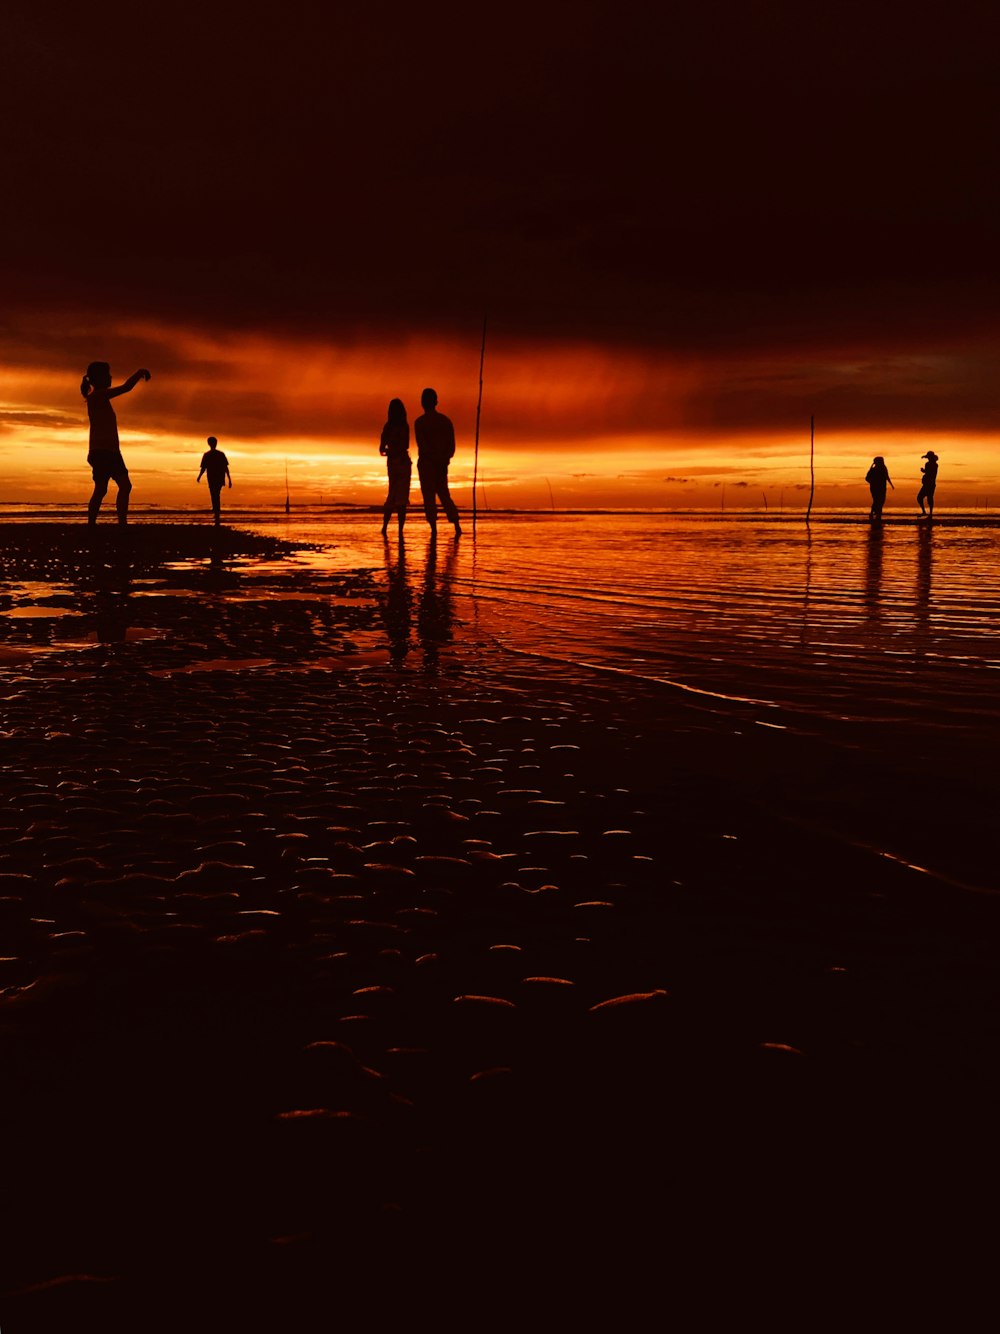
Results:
[929, 474]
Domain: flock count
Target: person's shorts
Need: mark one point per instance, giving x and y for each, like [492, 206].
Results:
[108, 467]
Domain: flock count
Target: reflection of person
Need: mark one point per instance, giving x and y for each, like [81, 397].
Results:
[216, 465]
[877, 476]
[398, 606]
[929, 474]
[105, 456]
[434, 606]
[435, 449]
[394, 445]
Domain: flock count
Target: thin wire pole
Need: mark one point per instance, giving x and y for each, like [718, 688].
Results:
[812, 470]
[479, 408]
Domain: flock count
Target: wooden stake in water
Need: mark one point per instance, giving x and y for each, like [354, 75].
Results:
[479, 408]
[812, 470]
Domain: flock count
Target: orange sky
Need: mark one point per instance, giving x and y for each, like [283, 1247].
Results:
[601, 426]
[775, 212]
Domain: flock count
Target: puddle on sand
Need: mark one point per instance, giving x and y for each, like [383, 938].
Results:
[344, 662]
[39, 613]
[133, 634]
[215, 665]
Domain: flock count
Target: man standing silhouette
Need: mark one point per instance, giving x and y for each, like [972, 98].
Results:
[215, 463]
[435, 449]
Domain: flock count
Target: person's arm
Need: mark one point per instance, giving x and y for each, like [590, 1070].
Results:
[229, 477]
[889, 479]
[201, 474]
[451, 438]
[129, 384]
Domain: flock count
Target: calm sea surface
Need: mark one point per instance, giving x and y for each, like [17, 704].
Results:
[829, 622]
[835, 620]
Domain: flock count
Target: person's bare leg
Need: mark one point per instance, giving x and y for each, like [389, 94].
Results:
[100, 491]
[121, 504]
[449, 506]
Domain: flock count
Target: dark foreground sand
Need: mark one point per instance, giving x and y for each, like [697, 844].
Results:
[339, 996]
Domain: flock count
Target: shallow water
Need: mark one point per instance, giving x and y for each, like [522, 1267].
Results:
[834, 621]
[801, 625]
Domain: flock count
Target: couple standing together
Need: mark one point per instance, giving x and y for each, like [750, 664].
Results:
[435, 449]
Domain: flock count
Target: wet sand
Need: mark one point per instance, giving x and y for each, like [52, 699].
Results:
[337, 993]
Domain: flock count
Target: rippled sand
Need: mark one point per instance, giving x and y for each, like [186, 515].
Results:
[338, 989]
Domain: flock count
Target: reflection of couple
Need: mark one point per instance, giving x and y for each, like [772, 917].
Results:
[433, 605]
[435, 450]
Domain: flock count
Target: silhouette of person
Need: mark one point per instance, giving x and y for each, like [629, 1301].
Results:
[215, 463]
[104, 455]
[929, 474]
[435, 450]
[394, 445]
[877, 476]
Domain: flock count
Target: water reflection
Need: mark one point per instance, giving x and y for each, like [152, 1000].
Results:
[435, 608]
[806, 585]
[397, 605]
[107, 577]
[922, 600]
[873, 575]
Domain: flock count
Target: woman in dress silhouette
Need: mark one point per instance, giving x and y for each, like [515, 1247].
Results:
[395, 447]
[105, 456]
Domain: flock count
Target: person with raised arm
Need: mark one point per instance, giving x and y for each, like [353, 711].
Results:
[105, 455]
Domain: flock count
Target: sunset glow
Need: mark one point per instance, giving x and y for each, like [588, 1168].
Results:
[600, 426]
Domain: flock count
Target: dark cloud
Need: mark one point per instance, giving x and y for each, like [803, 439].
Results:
[700, 179]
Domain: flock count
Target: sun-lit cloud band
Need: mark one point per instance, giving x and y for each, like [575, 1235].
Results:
[569, 425]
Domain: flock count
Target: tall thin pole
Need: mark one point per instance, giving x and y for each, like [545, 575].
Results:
[479, 408]
[812, 469]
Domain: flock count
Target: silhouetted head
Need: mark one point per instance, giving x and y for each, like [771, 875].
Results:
[396, 415]
[98, 376]
[428, 399]
[929, 455]
[879, 459]
[212, 442]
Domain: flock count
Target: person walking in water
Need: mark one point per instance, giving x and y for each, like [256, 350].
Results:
[435, 450]
[877, 477]
[394, 446]
[929, 474]
[105, 456]
[215, 463]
